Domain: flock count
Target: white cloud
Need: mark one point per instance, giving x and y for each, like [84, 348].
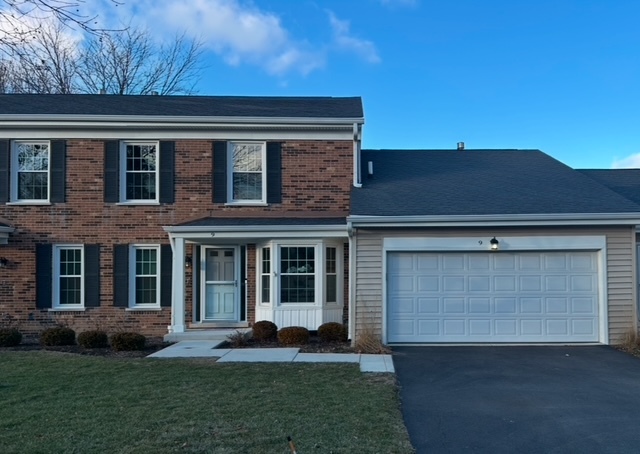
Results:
[345, 41]
[630, 162]
[236, 30]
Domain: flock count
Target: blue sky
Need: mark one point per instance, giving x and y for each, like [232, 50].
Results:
[562, 76]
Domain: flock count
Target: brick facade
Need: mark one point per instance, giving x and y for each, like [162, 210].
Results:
[316, 181]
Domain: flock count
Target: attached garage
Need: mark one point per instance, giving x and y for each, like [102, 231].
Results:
[493, 297]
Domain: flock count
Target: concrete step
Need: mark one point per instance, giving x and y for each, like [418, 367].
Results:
[200, 334]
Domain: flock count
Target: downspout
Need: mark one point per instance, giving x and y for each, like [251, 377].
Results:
[352, 283]
[357, 137]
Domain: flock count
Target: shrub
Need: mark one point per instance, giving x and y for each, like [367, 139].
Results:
[128, 341]
[58, 335]
[10, 337]
[332, 332]
[93, 339]
[237, 339]
[264, 330]
[293, 335]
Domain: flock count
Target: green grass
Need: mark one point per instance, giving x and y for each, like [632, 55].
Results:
[52, 402]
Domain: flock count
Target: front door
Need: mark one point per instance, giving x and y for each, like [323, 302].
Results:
[221, 285]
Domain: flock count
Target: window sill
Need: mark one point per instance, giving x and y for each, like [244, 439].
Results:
[31, 202]
[246, 204]
[143, 309]
[140, 202]
[67, 309]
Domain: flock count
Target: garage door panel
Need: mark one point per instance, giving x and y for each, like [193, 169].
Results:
[489, 297]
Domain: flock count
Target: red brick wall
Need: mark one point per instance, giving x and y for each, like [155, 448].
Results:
[316, 181]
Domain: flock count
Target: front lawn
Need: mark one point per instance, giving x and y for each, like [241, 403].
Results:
[56, 402]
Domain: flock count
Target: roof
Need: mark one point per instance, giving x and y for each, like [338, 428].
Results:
[625, 182]
[478, 182]
[181, 106]
[263, 221]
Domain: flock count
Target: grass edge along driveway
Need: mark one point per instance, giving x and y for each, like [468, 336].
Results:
[52, 402]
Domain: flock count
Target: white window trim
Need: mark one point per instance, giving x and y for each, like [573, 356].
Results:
[14, 174]
[123, 173]
[132, 277]
[230, 199]
[319, 273]
[56, 305]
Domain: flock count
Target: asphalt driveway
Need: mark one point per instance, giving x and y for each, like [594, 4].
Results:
[520, 399]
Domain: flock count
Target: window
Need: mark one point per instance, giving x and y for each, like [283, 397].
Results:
[68, 284]
[265, 275]
[247, 180]
[331, 275]
[140, 171]
[31, 171]
[297, 275]
[144, 285]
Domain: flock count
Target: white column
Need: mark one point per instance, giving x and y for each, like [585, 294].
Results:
[177, 285]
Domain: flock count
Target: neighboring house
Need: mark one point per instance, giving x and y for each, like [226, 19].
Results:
[492, 246]
[171, 214]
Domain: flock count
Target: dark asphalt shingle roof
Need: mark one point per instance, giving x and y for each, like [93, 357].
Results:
[478, 182]
[264, 221]
[188, 106]
[625, 182]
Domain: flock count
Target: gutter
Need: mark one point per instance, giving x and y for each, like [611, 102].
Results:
[496, 220]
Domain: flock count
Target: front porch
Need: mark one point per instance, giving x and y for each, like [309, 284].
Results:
[228, 273]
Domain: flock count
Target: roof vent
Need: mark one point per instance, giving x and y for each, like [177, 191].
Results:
[103, 91]
[460, 146]
[370, 169]
[154, 93]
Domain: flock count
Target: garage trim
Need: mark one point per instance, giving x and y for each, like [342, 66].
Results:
[595, 243]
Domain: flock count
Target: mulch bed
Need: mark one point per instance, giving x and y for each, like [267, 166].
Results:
[315, 345]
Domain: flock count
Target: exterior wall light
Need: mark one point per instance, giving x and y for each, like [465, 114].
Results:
[495, 244]
[188, 262]
[4, 263]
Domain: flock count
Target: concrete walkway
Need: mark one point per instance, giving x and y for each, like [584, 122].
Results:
[207, 349]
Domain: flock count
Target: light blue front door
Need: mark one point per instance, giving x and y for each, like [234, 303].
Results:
[221, 285]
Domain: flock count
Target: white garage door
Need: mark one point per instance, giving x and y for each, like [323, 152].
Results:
[492, 297]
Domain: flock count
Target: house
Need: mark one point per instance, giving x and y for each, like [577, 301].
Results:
[173, 216]
[168, 215]
[492, 246]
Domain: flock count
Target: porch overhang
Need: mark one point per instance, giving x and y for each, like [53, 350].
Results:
[214, 229]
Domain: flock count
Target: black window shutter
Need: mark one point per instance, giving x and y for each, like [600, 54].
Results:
[196, 282]
[58, 164]
[4, 170]
[274, 172]
[121, 275]
[167, 165]
[92, 275]
[166, 267]
[219, 172]
[44, 275]
[112, 171]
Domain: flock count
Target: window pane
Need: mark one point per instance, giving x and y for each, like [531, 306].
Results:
[247, 186]
[141, 158]
[146, 289]
[141, 186]
[332, 288]
[266, 260]
[266, 288]
[297, 260]
[70, 291]
[247, 158]
[33, 157]
[297, 289]
[33, 185]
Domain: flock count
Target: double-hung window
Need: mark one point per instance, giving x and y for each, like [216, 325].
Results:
[297, 274]
[139, 161]
[247, 182]
[68, 283]
[30, 164]
[144, 269]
